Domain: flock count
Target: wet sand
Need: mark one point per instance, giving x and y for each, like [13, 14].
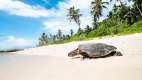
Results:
[55, 68]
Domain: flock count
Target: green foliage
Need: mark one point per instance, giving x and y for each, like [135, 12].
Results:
[80, 31]
[121, 20]
[135, 28]
[87, 29]
[130, 17]
[117, 30]
[122, 10]
[104, 29]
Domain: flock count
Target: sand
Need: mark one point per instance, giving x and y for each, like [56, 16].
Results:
[51, 62]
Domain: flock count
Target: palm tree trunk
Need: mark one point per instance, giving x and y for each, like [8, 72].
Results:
[78, 23]
[95, 23]
[139, 9]
[95, 19]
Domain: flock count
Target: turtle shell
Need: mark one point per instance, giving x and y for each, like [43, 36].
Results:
[96, 49]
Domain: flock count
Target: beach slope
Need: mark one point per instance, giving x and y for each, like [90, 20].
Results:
[51, 62]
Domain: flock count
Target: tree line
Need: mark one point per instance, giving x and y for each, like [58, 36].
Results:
[120, 15]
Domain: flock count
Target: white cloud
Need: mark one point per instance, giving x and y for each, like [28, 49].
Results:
[62, 24]
[18, 41]
[56, 17]
[16, 7]
[13, 42]
[60, 21]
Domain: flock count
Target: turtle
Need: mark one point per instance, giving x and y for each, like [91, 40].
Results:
[95, 50]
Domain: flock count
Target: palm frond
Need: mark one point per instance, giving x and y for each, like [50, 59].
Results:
[105, 3]
[104, 7]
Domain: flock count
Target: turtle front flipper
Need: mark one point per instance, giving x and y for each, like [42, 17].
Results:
[83, 55]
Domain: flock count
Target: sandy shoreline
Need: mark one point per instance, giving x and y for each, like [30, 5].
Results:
[51, 62]
[128, 44]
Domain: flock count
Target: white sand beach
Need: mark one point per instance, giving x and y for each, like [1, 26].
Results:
[52, 63]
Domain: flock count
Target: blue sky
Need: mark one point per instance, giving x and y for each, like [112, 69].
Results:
[46, 3]
[22, 21]
[27, 28]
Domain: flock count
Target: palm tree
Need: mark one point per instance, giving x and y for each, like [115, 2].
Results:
[118, 12]
[73, 14]
[139, 10]
[97, 8]
[115, 10]
[138, 5]
[110, 14]
[130, 17]
[71, 32]
[43, 40]
[87, 29]
[59, 34]
[122, 11]
[80, 31]
[54, 38]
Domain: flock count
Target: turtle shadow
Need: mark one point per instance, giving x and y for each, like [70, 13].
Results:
[87, 57]
[107, 56]
[76, 57]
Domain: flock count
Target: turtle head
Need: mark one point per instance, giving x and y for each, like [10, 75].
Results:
[118, 54]
[73, 53]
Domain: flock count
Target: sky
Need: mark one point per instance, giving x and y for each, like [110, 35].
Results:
[23, 21]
